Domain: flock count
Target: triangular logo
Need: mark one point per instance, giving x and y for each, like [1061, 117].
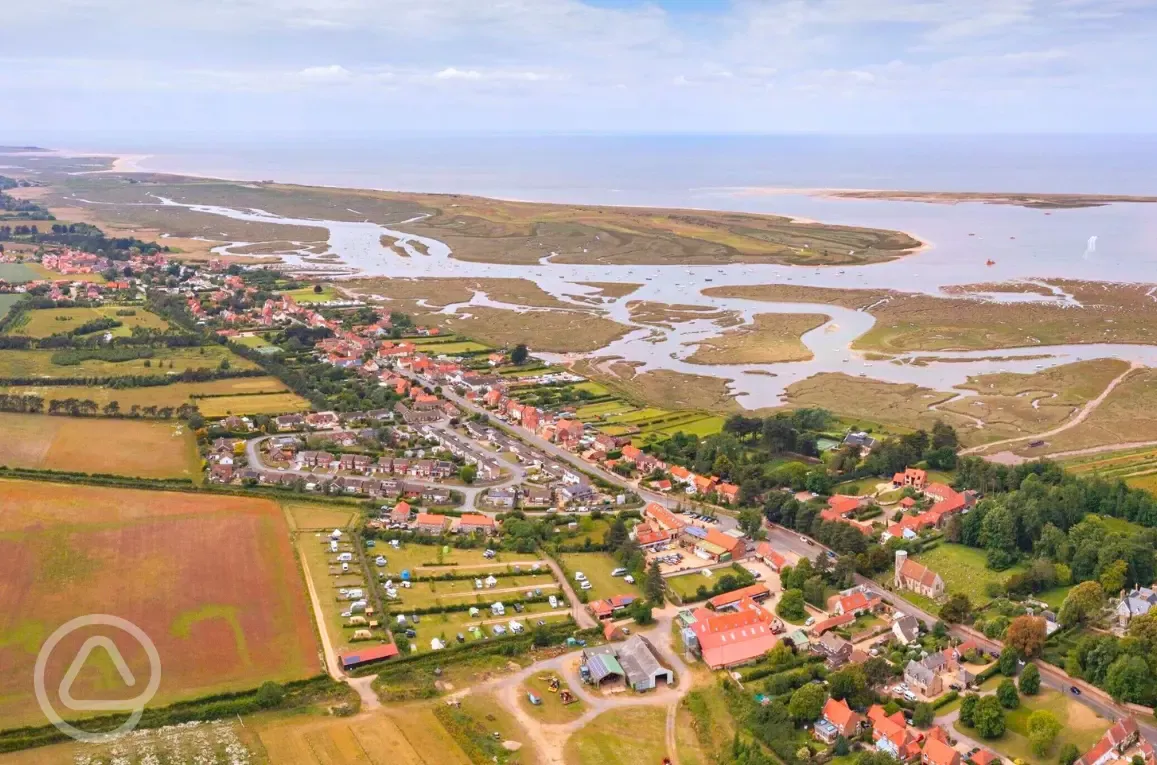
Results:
[78, 663]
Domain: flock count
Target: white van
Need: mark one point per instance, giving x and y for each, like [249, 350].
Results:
[618, 572]
[345, 557]
[629, 579]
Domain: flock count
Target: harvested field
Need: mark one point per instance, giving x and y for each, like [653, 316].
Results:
[628, 736]
[136, 448]
[310, 516]
[159, 395]
[1109, 313]
[772, 337]
[267, 403]
[1136, 467]
[226, 607]
[14, 363]
[43, 322]
[553, 331]
[402, 736]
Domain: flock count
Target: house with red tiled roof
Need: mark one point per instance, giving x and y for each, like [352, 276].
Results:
[837, 720]
[430, 523]
[910, 575]
[728, 493]
[910, 477]
[682, 475]
[774, 560]
[840, 506]
[659, 517]
[856, 603]
[470, 523]
[733, 638]
[937, 752]
[821, 627]
[703, 484]
[608, 607]
[647, 537]
[756, 592]
[715, 545]
[984, 757]
[1117, 741]
[891, 734]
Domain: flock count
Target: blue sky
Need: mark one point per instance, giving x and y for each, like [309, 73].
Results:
[765, 66]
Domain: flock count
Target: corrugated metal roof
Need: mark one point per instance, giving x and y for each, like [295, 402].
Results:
[695, 531]
[604, 665]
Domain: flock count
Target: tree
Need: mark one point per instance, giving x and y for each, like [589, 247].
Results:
[1027, 635]
[270, 695]
[877, 670]
[653, 584]
[640, 611]
[807, 702]
[1043, 728]
[1070, 753]
[923, 715]
[1114, 576]
[790, 607]
[957, 609]
[841, 747]
[1082, 603]
[750, 521]
[968, 708]
[317, 290]
[1007, 695]
[1008, 659]
[988, 719]
[468, 473]
[848, 682]
[1030, 680]
[616, 534]
[519, 354]
[1129, 679]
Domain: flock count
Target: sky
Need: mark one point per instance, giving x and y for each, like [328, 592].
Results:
[211, 67]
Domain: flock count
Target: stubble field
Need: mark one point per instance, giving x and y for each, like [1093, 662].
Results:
[211, 580]
[135, 448]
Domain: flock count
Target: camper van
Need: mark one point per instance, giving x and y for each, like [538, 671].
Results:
[553, 601]
[354, 594]
[380, 561]
[333, 545]
[618, 572]
[580, 576]
[345, 568]
[345, 557]
[363, 635]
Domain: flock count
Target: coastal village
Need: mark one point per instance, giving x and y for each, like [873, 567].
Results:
[484, 508]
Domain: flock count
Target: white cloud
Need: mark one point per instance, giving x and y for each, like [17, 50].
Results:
[450, 73]
[331, 73]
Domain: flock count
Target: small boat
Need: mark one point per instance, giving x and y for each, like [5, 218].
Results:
[970, 234]
[990, 262]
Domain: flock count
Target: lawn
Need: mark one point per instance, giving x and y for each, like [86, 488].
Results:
[15, 363]
[252, 341]
[225, 607]
[858, 487]
[629, 736]
[687, 586]
[1080, 725]
[551, 711]
[964, 570]
[428, 594]
[42, 322]
[308, 295]
[446, 626]
[597, 567]
[449, 349]
[137, 448]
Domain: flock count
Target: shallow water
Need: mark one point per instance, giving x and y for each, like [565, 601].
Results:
[1053, 246]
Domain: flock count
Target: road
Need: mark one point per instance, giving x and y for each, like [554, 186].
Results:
[1082, 415]
[1051, 676]
[470, 493]
[724, 521]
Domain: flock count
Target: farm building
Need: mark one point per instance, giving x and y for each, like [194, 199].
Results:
[732, 638]
[633, 661]
[368, 656]
[731, 600]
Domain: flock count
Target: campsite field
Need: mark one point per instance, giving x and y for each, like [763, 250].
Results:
[43, 322]
[225, 607]
[597, 567]
[432, 557]
[137, 448]
[325, 571]
[15, 363]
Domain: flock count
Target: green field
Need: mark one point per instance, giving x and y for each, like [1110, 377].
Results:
[598, 567]
[307, 295]
[964, 570]
[7, 300]
[43, 322]
[1079, 725]
[14, 363]
[449, 349]
[252, 341]
[1136, 467]
[631, 736]
[687, 586]
[429, 594]
[17, 273]
[442, 559]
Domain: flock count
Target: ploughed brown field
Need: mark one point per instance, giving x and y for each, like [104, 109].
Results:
[213, 582]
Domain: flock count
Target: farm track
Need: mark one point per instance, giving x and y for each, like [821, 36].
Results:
[1080, 417]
